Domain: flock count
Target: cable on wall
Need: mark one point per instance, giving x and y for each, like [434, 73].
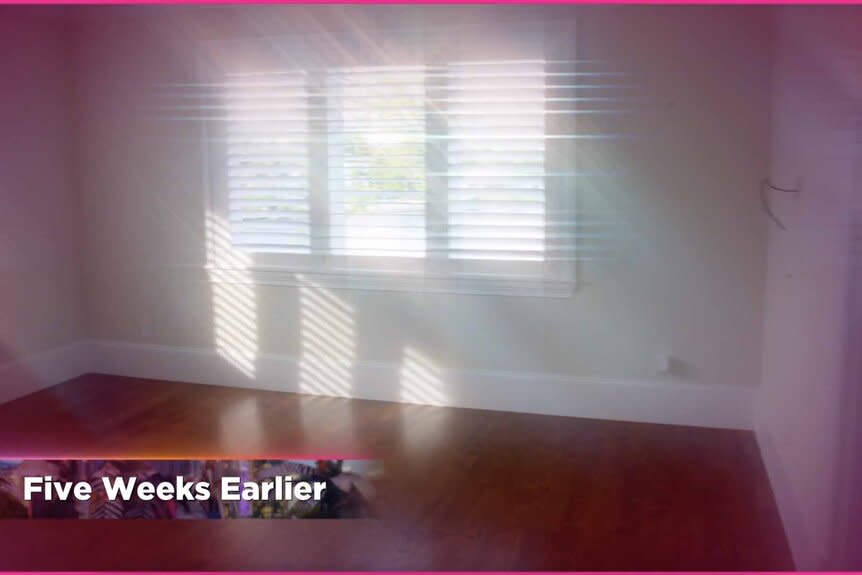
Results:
[764, 199]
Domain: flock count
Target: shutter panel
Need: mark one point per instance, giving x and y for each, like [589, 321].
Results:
[376, 154]
[268, 183]
[496, 160]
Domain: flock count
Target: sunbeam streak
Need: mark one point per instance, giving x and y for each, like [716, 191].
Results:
[233, 299]
[328, 341]
[421, 380]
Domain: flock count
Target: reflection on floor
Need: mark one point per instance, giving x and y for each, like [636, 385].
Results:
[462, 489]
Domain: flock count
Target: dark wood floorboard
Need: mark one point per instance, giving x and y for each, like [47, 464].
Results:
[463, 489]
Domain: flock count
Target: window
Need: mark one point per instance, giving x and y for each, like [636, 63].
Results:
[267, 157]
[376, 154]
[496, 160]
[430, 171]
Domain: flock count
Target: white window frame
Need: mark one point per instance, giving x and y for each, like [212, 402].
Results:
[550, 278]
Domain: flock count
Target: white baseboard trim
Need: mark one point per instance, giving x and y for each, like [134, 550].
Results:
[551, 394]
[806, 556]
[601, 398]
[43, 369]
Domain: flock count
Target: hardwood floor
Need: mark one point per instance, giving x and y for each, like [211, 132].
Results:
[463, 489]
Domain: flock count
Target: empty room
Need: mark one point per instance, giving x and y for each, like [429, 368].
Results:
[441, 287]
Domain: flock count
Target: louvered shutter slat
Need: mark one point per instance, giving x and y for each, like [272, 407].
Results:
[496, 163]
[376, 153]
[268, 180]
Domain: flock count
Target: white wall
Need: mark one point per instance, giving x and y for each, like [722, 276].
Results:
[682, 262]
[682, 259]
[806, 399]
[40, 291]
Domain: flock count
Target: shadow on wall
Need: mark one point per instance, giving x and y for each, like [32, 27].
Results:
[233, 298]
[328, 341]
[327, 326]
[421, 381]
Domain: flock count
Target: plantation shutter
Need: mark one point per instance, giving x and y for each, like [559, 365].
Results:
[376, 154]
[268, 172]
[496, 160]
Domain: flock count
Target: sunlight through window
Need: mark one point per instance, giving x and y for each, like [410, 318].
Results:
[233, 295]
[496, 160]
[327, 339]
[240, 426]
[268, 181]
[421, 380]
[456, 170]
[376, 137]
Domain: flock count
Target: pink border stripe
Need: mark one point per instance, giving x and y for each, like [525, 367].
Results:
[308, 2]
[422, 572]
[185, 457]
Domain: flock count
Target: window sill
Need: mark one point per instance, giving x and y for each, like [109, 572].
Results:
[377, 280]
